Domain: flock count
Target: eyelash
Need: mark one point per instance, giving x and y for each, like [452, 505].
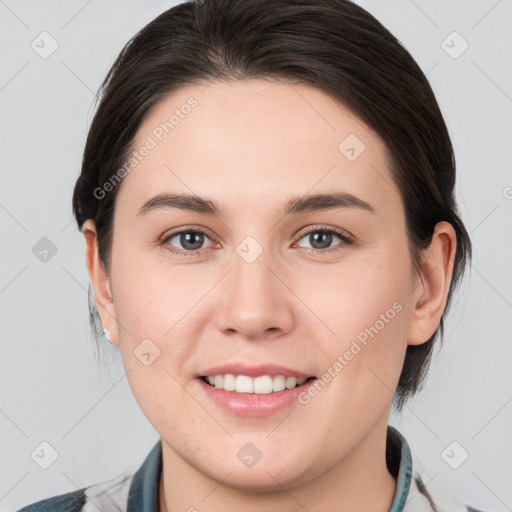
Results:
[343, 235]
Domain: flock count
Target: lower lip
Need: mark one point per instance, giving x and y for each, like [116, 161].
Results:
[252, 404]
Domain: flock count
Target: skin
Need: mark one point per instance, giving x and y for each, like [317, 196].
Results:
[250, 146]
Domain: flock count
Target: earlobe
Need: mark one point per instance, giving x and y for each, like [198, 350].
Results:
[431, 293]
[100, 282]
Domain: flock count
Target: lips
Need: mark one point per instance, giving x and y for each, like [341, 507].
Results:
[248, 404]
[253, 390]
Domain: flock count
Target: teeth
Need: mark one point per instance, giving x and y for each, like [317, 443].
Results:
[291, 382]
[260, 385]
[244, 384]
[228, 382]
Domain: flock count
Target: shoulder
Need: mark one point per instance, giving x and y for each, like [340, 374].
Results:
[432, 495]
[436, 498]
[111, 495]
[417, 491]
[69, 502]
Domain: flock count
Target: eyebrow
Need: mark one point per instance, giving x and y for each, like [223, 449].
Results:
[296, 205]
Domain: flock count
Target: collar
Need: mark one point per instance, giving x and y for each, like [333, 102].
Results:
[143, 495]
[398, 455]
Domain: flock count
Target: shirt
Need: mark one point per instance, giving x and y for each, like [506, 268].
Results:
[137, 490]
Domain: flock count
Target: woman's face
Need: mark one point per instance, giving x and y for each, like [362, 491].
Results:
[264, 276]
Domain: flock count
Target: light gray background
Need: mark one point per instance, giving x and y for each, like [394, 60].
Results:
[52, 388]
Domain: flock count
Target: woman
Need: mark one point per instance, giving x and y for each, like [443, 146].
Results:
[267, 201]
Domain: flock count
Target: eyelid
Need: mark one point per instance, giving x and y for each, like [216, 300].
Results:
[187, 229]
[343, 234]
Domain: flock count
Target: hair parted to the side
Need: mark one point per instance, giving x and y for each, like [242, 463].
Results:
[333, 45]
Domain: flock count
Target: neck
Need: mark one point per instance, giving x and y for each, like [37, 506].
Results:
[361, 481]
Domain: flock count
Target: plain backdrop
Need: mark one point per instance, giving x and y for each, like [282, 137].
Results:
[53, 390]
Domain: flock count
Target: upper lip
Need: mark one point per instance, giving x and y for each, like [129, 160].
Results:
[253, 370]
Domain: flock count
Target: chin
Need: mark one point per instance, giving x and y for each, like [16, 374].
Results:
[265, 479]
[267, 474]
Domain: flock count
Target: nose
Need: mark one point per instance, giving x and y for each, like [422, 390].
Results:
[254, 302]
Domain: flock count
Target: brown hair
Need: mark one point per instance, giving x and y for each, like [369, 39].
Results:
[333, 45]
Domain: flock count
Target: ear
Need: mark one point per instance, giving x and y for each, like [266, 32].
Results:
[100, 282]
[431, 293]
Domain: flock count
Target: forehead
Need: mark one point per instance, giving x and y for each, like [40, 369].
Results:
[258, 139]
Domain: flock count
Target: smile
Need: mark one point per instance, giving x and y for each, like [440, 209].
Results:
[261, 385]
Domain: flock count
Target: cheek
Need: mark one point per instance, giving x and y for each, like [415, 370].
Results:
[362, 335]
[158, 334]
[151, 298]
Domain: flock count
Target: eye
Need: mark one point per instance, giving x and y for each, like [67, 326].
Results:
[187, 241]
[192, 241]
[323, 238]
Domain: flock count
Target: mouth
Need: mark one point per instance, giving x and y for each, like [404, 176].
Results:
[260, 385]
[254, 390]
